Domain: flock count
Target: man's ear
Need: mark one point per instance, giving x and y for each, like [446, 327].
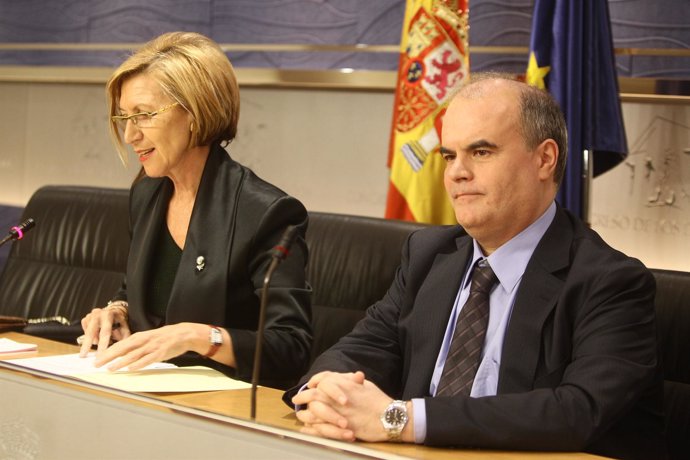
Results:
[547, 154]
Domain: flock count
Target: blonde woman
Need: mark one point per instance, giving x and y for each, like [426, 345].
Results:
[201, 226]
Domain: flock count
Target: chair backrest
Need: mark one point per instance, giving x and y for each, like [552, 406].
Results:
[673, 322]
[74, 258]
[352, 262]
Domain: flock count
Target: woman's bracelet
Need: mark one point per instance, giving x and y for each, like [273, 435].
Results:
[120, 305]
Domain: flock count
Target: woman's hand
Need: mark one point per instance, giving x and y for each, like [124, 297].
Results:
[103, 325]
[148, 347]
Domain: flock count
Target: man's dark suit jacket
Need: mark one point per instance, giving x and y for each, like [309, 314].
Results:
[579, 367]
[237, 219]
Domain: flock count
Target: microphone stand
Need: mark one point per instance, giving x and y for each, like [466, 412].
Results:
[278, 253]
[260, 332]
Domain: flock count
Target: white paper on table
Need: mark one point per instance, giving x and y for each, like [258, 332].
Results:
[70, 364]
[169, 380]
[154, 378]
[10, 346]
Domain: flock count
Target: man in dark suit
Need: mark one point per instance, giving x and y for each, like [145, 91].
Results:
[566, 356]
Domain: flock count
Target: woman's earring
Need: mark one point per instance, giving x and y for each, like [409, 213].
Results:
[191, 127]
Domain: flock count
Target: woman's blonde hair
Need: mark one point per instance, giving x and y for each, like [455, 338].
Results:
[193, 71]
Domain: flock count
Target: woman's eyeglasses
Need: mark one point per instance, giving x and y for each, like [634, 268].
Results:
[141, 119]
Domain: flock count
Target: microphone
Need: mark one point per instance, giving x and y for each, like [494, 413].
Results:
[278, 253]
[17, 233]
[281, 250]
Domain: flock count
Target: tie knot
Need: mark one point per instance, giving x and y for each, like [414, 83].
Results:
[483, 277]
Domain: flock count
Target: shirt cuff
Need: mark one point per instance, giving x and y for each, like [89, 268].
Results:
[419, 410]
[299, 407]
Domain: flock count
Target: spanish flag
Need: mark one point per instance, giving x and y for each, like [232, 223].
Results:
[433, 61]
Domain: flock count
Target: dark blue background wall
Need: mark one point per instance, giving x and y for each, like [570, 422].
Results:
[636, 24]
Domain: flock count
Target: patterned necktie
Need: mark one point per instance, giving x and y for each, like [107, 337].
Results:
[468, 338]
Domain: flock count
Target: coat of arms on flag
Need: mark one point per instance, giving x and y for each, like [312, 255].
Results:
[433, 62]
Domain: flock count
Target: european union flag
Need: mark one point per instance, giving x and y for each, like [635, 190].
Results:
[571, 55]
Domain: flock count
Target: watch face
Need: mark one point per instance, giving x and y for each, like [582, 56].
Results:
[395, 416]
[394, 419]
[216, 337]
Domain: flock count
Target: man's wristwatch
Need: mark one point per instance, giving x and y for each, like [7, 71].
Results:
[215, 338]
[394, 419]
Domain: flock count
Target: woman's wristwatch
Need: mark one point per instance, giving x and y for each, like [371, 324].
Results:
[215, 338]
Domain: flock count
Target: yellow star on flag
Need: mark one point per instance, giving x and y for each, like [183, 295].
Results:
[535, 74]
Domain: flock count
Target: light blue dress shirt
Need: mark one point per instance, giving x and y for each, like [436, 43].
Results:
[508, 263]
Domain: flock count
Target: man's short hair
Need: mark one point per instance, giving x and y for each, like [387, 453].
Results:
[540, 116]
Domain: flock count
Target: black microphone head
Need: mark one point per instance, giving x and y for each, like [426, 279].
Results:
[282, 249]
[28, 224]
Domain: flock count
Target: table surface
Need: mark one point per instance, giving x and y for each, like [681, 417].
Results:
[271, 411]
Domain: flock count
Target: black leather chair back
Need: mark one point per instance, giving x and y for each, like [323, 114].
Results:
[352, 262]
[673, 323]
[75, 257]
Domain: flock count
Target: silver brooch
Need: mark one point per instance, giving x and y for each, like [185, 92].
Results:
[200, 263]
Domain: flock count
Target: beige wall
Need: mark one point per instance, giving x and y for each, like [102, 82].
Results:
[55, 134]
[642, 206]
[329, 147]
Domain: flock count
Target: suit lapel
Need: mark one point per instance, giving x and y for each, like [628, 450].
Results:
[537, 296]
[154, 207]
[199, 292]
[431, 312]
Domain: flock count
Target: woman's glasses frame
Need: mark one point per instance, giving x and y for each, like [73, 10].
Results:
[140, 119]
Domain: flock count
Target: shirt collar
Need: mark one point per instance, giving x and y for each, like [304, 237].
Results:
[510, 260]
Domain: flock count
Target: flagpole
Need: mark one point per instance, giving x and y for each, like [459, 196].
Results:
[586, 183]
